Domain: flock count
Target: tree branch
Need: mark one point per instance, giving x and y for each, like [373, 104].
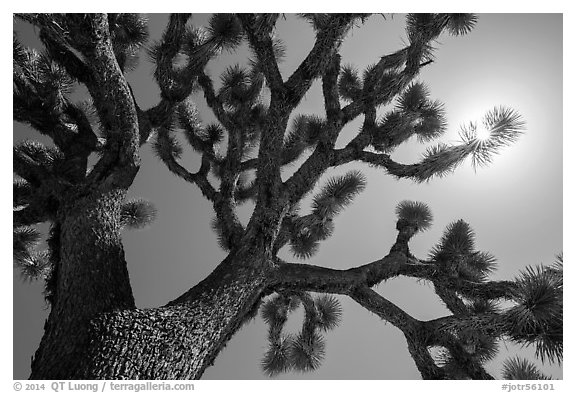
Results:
[328, 41]
[261, 43]
[330, 91]
[385, 309]
[213, 101]
[175, 85]
[199, 178]
[308, 277]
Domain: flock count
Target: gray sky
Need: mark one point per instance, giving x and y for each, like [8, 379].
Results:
[514, 205]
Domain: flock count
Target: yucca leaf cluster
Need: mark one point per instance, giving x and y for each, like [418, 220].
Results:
[305, 350]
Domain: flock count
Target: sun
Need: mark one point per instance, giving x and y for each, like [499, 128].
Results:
[483, 134]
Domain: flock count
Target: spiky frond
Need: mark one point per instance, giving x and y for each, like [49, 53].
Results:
[477, 266]
[307, 351]
[18, 51]
[303, 245]
[24, 239]
[277, 358]
[501, 127]
[226, 30]
[413, 98]
[279, 49]
[39, 153]
[537, 316]
[416, 214]
[167, 147]
[329, 312]
[236, 83]
[214, 133]
[21, 192]
[337, 193]
[521, 369]
[431, 122]
[304, 133]
[313, 226]
[314, 126]
[35, 266]
[558, 265]
[137, 214]
[483, 306]
[394, 128]
[422, 27]
[274, 311]
[449, 365]
[481, 346]
[349, 83]
[457, 239]
[128, 31]
[461, 24]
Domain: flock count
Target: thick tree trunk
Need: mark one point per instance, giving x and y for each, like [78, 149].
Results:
[90, 278]
[178, 341]
[94, 330]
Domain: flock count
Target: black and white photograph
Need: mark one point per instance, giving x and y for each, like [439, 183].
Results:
[288, 196]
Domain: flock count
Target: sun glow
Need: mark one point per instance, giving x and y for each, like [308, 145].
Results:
[482, 134]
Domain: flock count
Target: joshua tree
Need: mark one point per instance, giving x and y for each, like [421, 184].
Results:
[94, 329]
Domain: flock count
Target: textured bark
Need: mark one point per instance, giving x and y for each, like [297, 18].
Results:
[91, 278]
[178, 341]
[94, 330]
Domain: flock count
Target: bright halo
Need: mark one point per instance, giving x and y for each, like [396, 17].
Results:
[482, 134]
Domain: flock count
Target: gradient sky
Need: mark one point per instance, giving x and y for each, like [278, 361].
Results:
[514, 205]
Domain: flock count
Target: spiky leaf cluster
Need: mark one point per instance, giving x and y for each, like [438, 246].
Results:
[226, 30]
[415, 214]
[33, 161]
[24, 239]
[457, 255]
[521, 369]
[36, 266]
[166, 146]
[129, 32]
[452, 367]
[21, 193]
[537, 316]
[461, 24]
[428, 26]
[306, 232]
[483, 306]
[329, 312]
[503, 125]
[31, 263]
[241, 87]
[304, 133]
[304, 351]
[349, 83]
[276, 360]
[414, 114]
[478, 344]
[37, 152]
[137, 214]
[337, 193]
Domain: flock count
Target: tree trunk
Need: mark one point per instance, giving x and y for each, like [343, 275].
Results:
[94, 330]
[178, 341]
[90, 277]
